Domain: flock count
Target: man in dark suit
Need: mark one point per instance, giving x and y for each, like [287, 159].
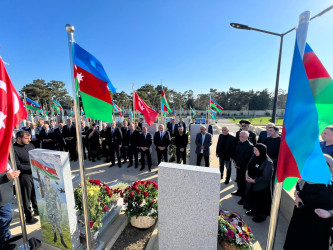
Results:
[225, 152]
[137, 127]
[145, 143]
[181, 123]
[69, 134]
[140, 123]
[194, 121]
[124, 130]
[203, 142]
[162, 140]
[47, 138]
[243, 153]
[264, 134]
[181, 141]
[131, 143]
[209, 127]
[85, 139]
[59, 139]
[245, 127]
[173, 128]
[113, 139]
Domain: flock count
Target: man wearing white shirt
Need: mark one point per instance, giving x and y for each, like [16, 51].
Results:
[203, 142]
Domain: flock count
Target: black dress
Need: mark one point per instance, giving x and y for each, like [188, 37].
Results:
[307, 231]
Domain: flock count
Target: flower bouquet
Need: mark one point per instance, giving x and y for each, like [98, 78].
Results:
[233, 232]
[100, 200]
[140, 200]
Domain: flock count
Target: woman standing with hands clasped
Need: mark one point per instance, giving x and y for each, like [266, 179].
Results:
[309, 228]
[258, 190]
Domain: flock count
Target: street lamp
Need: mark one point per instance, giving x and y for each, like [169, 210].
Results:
[246, 27]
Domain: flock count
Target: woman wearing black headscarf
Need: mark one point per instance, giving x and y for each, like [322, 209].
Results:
[258, 191]
[307, 230]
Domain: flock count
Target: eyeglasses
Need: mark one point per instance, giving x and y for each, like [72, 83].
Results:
[243, 126]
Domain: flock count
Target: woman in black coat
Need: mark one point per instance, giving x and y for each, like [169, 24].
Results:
[258, 190]
[308, 231]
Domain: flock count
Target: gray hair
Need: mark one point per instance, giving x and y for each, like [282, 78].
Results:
[245, 132]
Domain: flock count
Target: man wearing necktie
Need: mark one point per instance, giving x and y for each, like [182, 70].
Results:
[114, 139]
[181, 141]
[131, 144]
[124, 130]
[162, 140]
[145, 144]
[173, 128]
[69, 133]
[59, 139]
[181, 123]
[47, 138]
[203, 142]
[85, 139]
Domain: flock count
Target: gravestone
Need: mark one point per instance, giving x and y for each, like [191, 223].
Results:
[191, 221]
[195, 129]
[55, 198]
[152, 129]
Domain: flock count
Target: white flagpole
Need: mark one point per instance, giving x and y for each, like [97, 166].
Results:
[301, 33]
[70, 33]
[133, 103]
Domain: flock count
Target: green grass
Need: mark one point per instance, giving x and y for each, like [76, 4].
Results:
[257, 120]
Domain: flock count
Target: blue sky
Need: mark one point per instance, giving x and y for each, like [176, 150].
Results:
[185, 44]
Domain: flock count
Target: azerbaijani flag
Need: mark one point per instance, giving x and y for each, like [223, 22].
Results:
[93, 83]
[207, 109]
[165, 105]
[46, 170]
[213, 115]
[181, 109]
[309, 103]
[131, 114]
[32, 105]
[174, 113]
[215, 105]
[56, 105]
[117, 109]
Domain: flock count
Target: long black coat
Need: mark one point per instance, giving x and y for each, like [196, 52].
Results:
[229, 150]
[164, 142]
[243, 153]
[49, 136]
[145, 142]
[181, 141]
[114, 139]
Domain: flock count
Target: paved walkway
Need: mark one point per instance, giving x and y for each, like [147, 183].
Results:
[100, 170]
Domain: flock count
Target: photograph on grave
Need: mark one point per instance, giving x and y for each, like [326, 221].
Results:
[52, 201]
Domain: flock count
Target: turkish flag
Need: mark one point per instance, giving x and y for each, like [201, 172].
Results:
[149, 114]
[12, 112]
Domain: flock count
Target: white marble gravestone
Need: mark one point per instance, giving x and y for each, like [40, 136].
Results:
[55, 197]
[152, 129]
[195, 129]
[188, 207]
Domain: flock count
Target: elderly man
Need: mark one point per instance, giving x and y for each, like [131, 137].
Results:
[131, 143]
[69, 134]
[225, 152]
[124, 130]
[173, 128]
[181, 141]
[27, 127]
[203, 142]
[21, 149]
[145, 143]
[162, 140]
[140, 123]
[243, 153]
[327, 143]
[114, 138]
[102, 136]
[85, 140]
[264, 134]
[46, 136]
[59, 139]
[245, 127]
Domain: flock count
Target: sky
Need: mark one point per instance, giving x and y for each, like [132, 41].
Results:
[186, 44]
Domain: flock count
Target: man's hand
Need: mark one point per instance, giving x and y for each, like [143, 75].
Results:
[297, 200]
[202, 147]
[107, 146]
[322, 213]
[181, 150]
[13, 174]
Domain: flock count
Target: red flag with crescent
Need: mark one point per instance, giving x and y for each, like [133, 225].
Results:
[149, 114]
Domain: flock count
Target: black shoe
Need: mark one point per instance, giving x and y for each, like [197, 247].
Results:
[107, 160]
[119, 165]
[55, 237]
[142, 168]
[249, 213]
[12, 239]
[236, 193]
[32, 221]
[221, 177]
[124, 162]
[9, 246]
[93, 160]
[258, 219]
[226, 182]
[130, 165]
[62, 242]
[241, 202]
[149, 169]
[136, 166]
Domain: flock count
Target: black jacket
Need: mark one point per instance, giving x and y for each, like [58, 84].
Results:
[165, 140]
[145, 142]
[22, 157]
[116, 138]
[262, 136]
[252, 137]
[175, 130]
[69, 132]
[49, 136]
[132, 141]
[229, 150]
[181, 141]
[210, 129]
[243, 154]
[182, 124]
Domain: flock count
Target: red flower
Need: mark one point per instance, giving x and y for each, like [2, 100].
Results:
[153, 201]
[125, 200]
[79, 221]
[138, 191]
[98, 182]
[131, 194]
[240, 224]
[110, 193]
[239, 234]
[91, 181]
[91, 223]
[230, 234]
[145, 194]
[149, 182]
[139, 203]
[106, 208]
[249, 229]
[121, 195]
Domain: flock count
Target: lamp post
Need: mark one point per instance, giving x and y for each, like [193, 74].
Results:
[246, 27]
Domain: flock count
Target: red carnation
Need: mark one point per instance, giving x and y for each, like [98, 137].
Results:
[91, 181]
[91, 223]
[110, 193]
[249, 229]
[106, 208]
[145, 194]
[98, 182]
[153, 201]
[79, 221]
[125, 201]
[240, 224]
[138, 191]
[149, 182]
[131, 194]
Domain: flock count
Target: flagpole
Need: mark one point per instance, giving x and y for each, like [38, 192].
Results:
[133, 103]
[19, 198]
[301, 33]
[210, 108]
[70, 33]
